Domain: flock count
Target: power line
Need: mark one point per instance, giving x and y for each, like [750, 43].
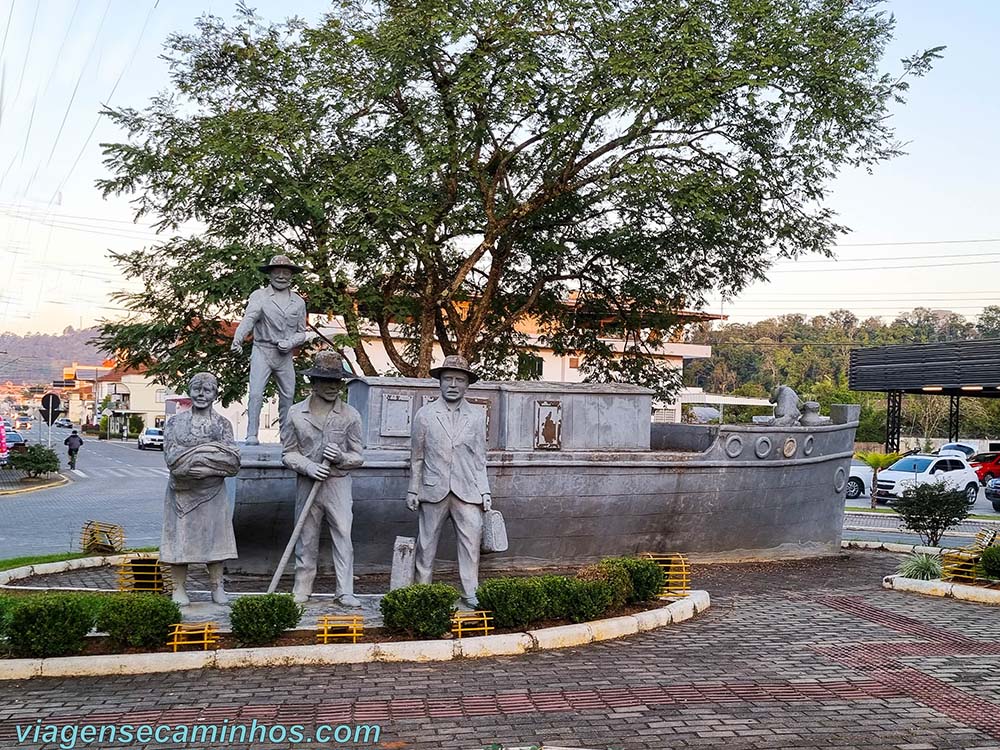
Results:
[916, 242]
[892, 268]
[886, 257]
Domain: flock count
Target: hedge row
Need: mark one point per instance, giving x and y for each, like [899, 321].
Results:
[611, 584]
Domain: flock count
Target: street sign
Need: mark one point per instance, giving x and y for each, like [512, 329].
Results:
[63, 383]
[50, 408]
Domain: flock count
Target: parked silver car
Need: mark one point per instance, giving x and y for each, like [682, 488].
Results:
[151, 437]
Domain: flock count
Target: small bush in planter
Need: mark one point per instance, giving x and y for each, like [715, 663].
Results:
[559, 592]
[261, 619]
[646, 576]
[35, 461]
[48, 625]
[590, 600]
[922, 567]
[138, 620]
[423, 609]
[991, 562]
[615, 576]
[931, 509]
[515, 602]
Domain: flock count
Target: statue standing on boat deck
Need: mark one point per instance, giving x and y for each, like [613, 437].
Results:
[448, 475]
[321, 443]
[200, 452]
[786, 406]
[277, 317]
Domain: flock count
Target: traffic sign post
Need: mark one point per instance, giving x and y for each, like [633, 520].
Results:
[50, 411]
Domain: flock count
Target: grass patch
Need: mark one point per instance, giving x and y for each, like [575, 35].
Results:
[17, 562]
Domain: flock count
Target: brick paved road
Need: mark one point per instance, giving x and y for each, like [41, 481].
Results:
[800, 655]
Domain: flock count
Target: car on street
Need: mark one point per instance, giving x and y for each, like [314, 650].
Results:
[22, 423]
[993, 493]
[16, 442]
[860, 480]
[927, 468]
[151, 437]
[987, 466]
[967, 450]
[64, 423]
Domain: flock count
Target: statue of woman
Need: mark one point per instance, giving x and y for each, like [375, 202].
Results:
[200, 452]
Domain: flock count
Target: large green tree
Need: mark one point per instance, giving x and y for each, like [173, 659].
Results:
[449, 168]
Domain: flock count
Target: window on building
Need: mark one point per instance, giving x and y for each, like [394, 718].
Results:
[160, 395]
[574, 363]
[529, 366]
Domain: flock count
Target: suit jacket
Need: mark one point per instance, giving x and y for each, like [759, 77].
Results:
[306, 434]
[448, 456]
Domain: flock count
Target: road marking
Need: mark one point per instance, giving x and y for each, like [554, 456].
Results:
[79, 473]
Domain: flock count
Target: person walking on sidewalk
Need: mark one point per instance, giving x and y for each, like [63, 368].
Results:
[73, 443]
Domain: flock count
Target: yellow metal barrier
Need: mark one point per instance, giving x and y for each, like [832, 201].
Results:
[202, 634]
[472, 622]
[965, 564]
[102, 538]
[676, 573]
[340, 626]
[142, 574]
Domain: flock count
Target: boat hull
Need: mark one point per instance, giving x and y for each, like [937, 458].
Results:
[755, 493]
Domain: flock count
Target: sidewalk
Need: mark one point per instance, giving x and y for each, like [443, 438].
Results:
[809, 654]
[12, 481]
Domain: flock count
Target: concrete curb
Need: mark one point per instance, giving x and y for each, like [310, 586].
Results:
[942, 588]
[25, 490]
[358, 653]
[61, 566]
[904, 549]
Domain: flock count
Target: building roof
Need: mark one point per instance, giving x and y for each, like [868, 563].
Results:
[954, 368]
[116, 375]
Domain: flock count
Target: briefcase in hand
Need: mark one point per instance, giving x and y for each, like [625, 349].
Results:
[494, 532]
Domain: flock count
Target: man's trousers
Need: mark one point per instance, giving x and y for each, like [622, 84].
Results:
[333, 502]
[468, 521]
[266, 362]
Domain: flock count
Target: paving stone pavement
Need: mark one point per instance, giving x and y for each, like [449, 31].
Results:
[792, 655]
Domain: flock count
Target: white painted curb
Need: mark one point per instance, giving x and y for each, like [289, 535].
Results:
[358, 653]
[904, 549]
[942, 588]
[14, 574]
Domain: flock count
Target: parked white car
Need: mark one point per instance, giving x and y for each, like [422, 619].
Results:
[860, 480]
[922, 468]
[151, 437]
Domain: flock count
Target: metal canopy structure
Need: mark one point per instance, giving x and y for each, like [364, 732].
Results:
[953, 369]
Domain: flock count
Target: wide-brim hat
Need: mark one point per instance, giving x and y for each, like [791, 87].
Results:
[280, 261]
[455, 362]
[328, 366]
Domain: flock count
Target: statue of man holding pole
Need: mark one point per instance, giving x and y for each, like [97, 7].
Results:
[321, 442]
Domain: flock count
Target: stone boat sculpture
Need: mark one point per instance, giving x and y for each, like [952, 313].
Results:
[580, 473]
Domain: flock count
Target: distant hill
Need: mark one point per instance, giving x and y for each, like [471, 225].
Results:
[40, 357]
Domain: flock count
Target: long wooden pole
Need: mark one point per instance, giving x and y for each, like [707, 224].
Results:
[297, 531]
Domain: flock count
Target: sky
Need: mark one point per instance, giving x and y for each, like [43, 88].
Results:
[924, 228]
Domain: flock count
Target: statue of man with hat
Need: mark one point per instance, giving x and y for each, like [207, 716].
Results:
[448, 475]
[321, 442]
[277, 317]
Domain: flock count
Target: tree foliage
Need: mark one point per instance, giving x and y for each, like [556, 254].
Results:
[456, 167]
[812, 355]
[931, 509]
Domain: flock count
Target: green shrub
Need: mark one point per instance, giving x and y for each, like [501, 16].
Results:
[559, 592]
[515, 602]
[615, 576]
[991, 562]
[138, 620]
[646, 577]
[922, 567]
[931, 509]
[423, 609]
[261, 619]
[48, 625]
[37, 460]
[589, 600]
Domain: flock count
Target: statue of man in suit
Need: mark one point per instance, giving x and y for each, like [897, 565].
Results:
[277, 317]
[448, 475]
